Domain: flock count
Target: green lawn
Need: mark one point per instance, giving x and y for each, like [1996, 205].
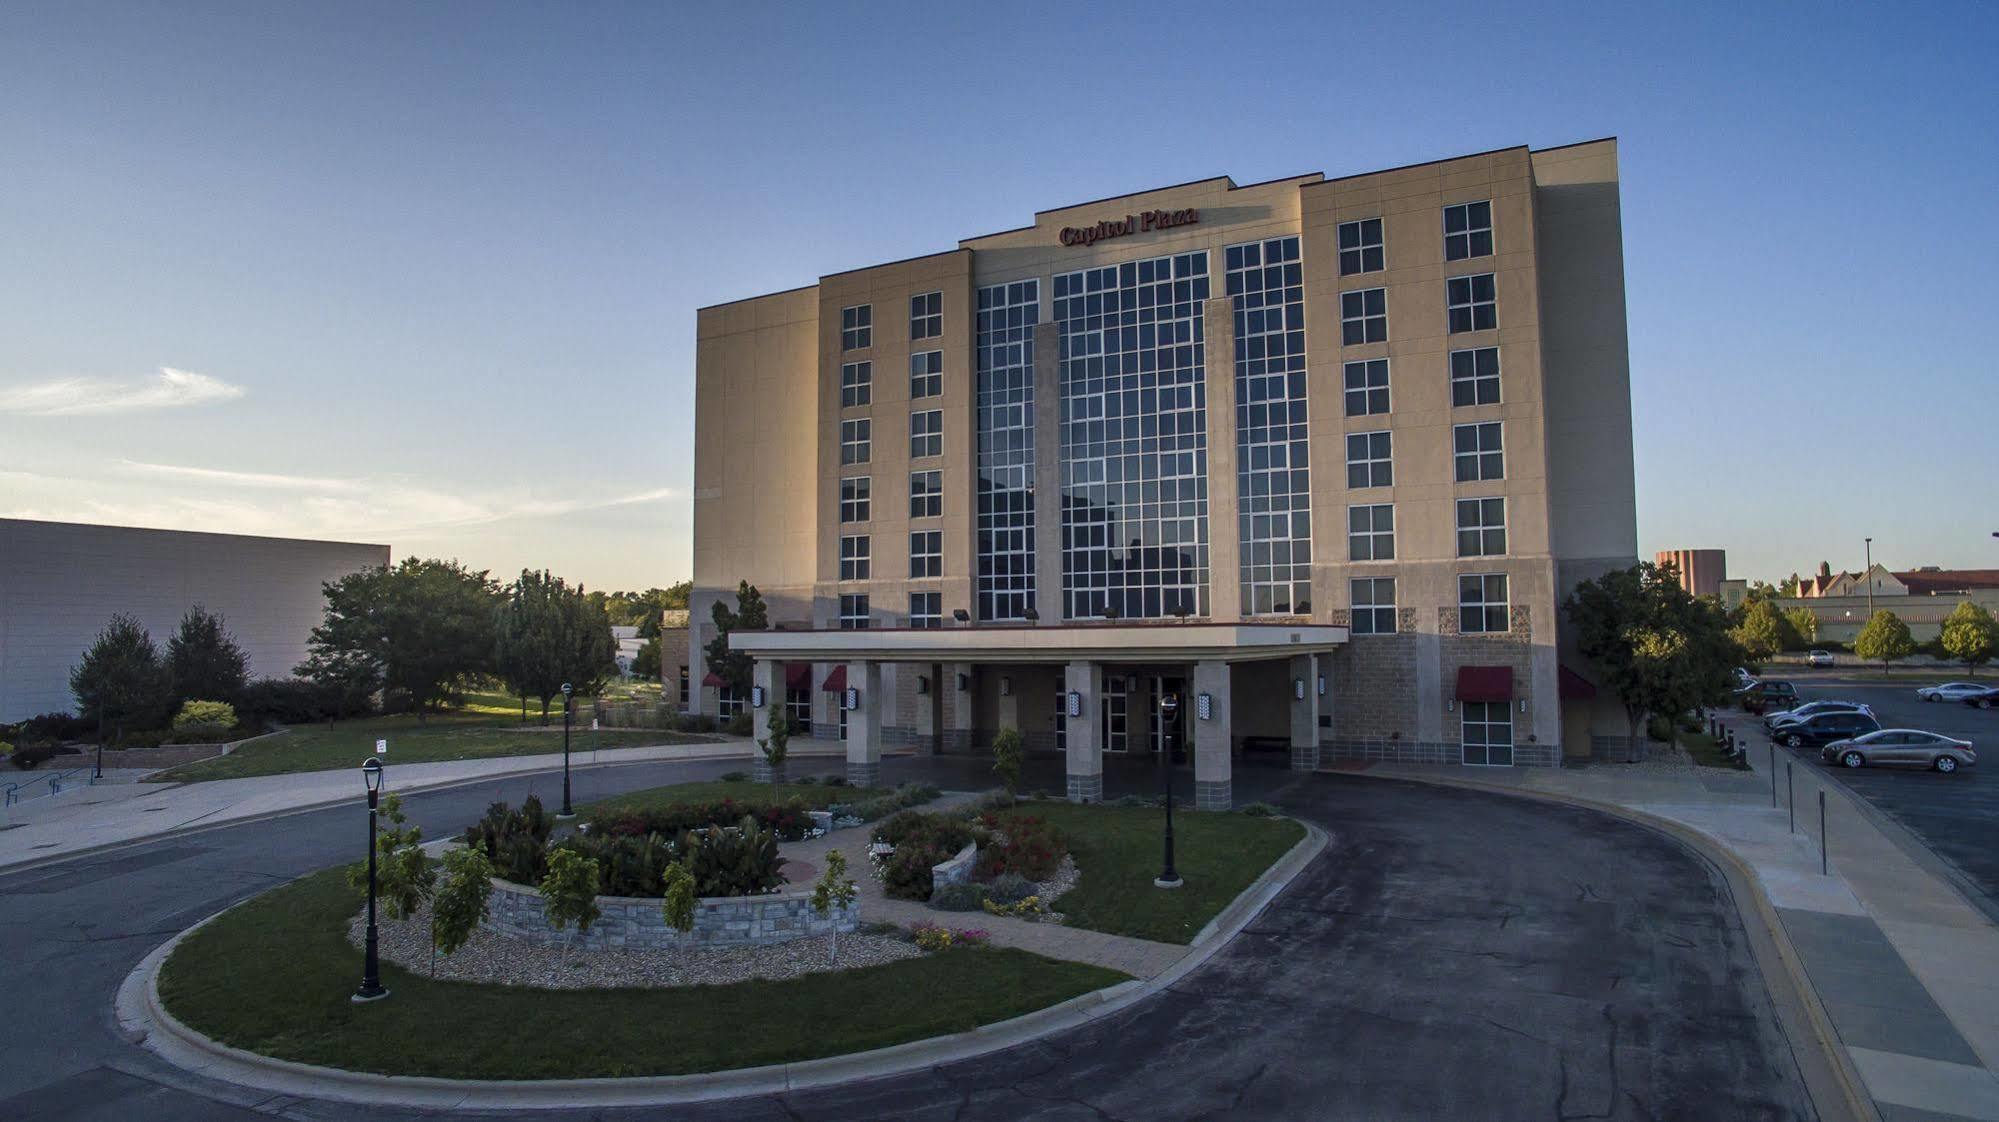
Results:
[454, 736]
[815, 795]
[274, 976]
[1706, 753]
[1118, 851]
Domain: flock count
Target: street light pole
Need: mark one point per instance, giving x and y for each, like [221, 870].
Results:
[371, 963]
[1169, 705]
[567, 691]
[1870, 578]
[98, 772]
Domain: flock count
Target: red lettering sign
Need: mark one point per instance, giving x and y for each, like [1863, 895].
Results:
[1129, 224]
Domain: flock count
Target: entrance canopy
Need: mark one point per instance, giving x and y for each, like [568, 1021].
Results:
[1093, 642]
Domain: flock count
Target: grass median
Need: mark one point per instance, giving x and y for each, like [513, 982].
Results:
[454, 736]
[274, 976]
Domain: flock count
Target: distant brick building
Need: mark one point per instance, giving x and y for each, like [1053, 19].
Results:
[1701, 570]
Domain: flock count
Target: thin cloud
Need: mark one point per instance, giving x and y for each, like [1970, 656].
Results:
[242, 478]
[69, 397]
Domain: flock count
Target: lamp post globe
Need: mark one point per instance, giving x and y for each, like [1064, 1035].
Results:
[371, 963]
[568, 691]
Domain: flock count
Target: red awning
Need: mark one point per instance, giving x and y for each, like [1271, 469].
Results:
[713, 679]
[1574, 687]
[798, 676]
[1485, 683]
[837, 680]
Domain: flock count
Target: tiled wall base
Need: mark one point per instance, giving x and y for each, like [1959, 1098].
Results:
[863, 775]
[1423, 752]
[1213, 794]
[1086, 788]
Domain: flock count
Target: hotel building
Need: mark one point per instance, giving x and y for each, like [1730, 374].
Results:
[1315, 459]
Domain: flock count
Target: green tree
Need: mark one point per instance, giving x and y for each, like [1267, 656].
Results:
[777, 744]
[424, 626]
[677, 898]
[404, 877]
[203, 660]
[462, 902]
[734, 667]
[646, 664]
[1885, 638]
[1804, 624]
[569, 890]
[1008, 756]
[832, 894]
[348, 678]
[547, 633]
[1763, 631]
[121, 680]
[1970, 636]
[1659, 649]
[1788, 588]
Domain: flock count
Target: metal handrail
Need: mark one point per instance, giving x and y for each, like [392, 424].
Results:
[12, 791]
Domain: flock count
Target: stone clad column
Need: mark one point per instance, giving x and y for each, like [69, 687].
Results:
[1305, 713]
[1224, 534]
[1084, 735]
[1214, 739]
[864, 724]
[769, 677]
[958, 722]
[1006, 685]
[1048, 598]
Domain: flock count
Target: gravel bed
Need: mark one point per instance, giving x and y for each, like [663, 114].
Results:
[1065, 878]
[490, 957]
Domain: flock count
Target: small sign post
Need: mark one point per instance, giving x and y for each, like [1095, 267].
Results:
[382, 747]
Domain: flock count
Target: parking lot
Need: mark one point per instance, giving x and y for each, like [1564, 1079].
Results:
[1957, 815]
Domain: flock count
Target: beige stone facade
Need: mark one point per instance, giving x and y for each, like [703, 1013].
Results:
[778, 415]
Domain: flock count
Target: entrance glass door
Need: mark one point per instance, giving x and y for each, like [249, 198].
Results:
[1117, 737]
[1488, 733]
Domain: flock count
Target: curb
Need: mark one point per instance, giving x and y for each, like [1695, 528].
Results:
[145, 1020]
[1835, 1084]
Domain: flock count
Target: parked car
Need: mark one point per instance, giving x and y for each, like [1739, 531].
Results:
[1743, 678]
[1767, 696]
[1818, 658]
[1985, 700]
[1901, 746]
[1825, 728]
[1784, 717]
[1952, 691]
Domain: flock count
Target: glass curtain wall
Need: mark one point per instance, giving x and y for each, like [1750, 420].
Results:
[1266, 286]
[1008, 314]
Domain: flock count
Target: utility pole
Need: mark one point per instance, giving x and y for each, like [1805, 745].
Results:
[1870, 578]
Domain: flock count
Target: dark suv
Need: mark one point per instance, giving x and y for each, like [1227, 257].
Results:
[1824, 728]
[1765, 696]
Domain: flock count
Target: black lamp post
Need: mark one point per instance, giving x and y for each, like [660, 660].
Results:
[567, 690]
[371, 964]
[1169, 706]
[98, 771]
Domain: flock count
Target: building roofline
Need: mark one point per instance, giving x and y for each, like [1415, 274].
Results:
[747, 299]
[190, 533]
[824, 277]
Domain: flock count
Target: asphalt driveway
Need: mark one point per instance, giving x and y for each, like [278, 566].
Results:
[1453, 954]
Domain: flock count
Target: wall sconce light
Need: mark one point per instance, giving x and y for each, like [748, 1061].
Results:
[1204, 707]
[961, 615]
[850, 700]
[1006, 686]
[756, 697]
[1075, 704]
[964, 682]
[922, 683]
[1322, 685]
[1298, 688]
[1450, 705]
[1523, 705]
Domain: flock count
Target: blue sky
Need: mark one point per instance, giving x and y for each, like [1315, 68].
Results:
[426, 274]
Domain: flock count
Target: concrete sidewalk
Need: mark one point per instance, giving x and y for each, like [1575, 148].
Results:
[84, 818]
[1905, 968]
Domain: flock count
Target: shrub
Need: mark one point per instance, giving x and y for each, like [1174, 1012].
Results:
[1136, 801]
[144, 738]
[959, 897]
[881, 806]
[403, 875]
[30, 756]
[834, 890]
[297, 701]
[806, 780]
[835, 781]
[677, 901]
[1028, 908]
[1010, 888]
[1008, 755]
[55, 727]
[1259, 810]
[203, 722]
[738, 861]
[515, 841]
[790, 818]
[739, 725]
[735, 777]
[1659, 727]
[462, 899]
[931, 936]
[569, 891]
[627, 864]
[1033, 848]
[921, 841]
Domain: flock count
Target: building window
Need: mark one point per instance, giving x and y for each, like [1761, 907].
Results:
[1367, 387]
[1369, 460]
[1364, 316]
[926, 374]
[926, 609]
[1004, 350]
[926, 494]
[1360, 247]
[926, 316]
[1475, 377]
[1482, 604]
[1373, 606]
[798, 707]
[1488, 733]
[1467, 231]
[857, 441]
[853, 613]
[728, 703]
[1371, 533]
[857, 327]
[856, 499]
[1481, 527]
[1478, 452]
[857, 384]
[855, 552]
[1472, 303]
[1266, 287]
[1134, 486]
[926, 433]
[926, 553]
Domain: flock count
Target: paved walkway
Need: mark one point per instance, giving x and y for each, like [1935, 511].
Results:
[1906, 969]
[1140, 958]
[84, 818]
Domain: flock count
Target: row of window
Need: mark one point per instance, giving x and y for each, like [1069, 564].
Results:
[1467, 234]
[1481, 527]
[926, 321]
[1477, 455]
[1470, 304]
[1483, 608]
[1474, 381]
[926, 496]
[926, 555]
[926, 379]
[926, 437]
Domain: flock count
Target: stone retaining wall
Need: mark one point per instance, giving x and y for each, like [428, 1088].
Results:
[958, 870]
[719, 921]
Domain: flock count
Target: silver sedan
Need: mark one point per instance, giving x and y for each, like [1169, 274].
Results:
[1906, 747]
[1951, 691]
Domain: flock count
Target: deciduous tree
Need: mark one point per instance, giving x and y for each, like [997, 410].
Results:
[1659, 649]
[547, 633]
[1804, 623]
[423, 627]
[1763, 631]
[1885, 638]
[121, 680]
[203, 660]
[1970, 636]
[734, 667]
